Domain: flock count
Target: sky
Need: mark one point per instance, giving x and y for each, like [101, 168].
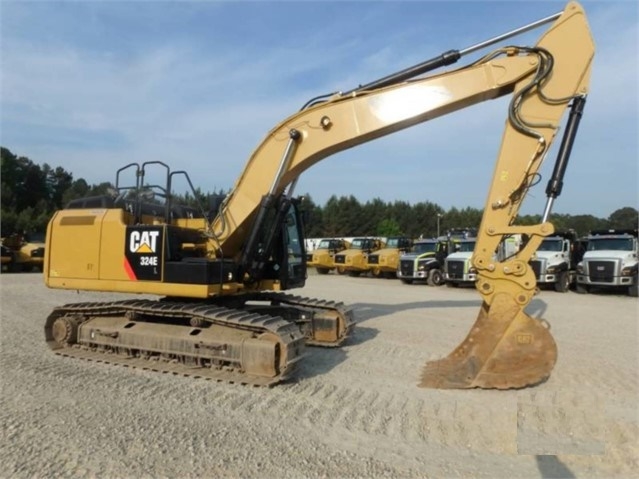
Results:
[94, 85]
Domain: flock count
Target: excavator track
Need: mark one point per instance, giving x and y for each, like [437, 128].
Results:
[329, 323]
[199, 340]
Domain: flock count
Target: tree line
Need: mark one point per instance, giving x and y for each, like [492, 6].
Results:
[347, 217]
[31, 193]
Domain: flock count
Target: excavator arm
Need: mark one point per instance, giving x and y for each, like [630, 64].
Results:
[506, 348]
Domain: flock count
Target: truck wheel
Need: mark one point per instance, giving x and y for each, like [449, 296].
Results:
[340, 270]
[435, 277]
[583, 288]
[322, 270]
[376, 273]
[407, 281]
[634, 289]
[563, 282]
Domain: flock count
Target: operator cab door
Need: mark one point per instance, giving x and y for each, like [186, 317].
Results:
[293, 236]
[282, 246]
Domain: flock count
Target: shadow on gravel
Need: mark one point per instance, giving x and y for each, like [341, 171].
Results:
[551, 467]
[537, 308]
[319, 361]
[603, 291]
[366, 311]
[361, 335]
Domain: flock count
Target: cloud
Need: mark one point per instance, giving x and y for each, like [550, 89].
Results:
[93, 87]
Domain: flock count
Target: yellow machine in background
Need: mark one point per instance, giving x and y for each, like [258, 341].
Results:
[222, 312]
[322, 258]
[7, 258]
[384, 262]
[22, 254]
[353, 260]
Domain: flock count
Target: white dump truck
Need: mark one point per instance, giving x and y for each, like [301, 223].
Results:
[555, 262]
[458, 268]
[610, 261]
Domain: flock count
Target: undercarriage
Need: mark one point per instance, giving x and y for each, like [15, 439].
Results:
[258, 342]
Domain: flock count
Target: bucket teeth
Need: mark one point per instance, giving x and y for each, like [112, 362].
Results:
[504, 349]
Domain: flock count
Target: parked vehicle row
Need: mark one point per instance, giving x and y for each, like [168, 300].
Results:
[604, 259]
[378, 257]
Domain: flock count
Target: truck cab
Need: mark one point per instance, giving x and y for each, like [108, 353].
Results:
[354, 259]
[556, 259]
[384, 262]
[458, 267]
[424, 262]
[322, 258]
[610, 261]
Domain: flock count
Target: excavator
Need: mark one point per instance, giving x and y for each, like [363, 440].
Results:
[211, 284]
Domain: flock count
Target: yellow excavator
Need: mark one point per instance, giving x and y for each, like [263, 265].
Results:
[218, 278]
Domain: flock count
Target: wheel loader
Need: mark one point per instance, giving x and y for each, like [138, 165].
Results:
[220, 275]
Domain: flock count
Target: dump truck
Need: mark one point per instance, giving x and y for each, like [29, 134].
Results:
[384, 262]
[22, 253]
[322, 258]
[458, 266]
[8, 257]
[424, 262]
[555, 262]
[610, 261]
[353, 261]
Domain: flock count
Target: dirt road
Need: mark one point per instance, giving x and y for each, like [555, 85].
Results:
[352, 412]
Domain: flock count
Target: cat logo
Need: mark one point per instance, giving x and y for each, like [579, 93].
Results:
[143, 249]
[143, 242]
[524, 339]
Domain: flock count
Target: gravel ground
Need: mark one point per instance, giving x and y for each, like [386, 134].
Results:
[352, 412]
